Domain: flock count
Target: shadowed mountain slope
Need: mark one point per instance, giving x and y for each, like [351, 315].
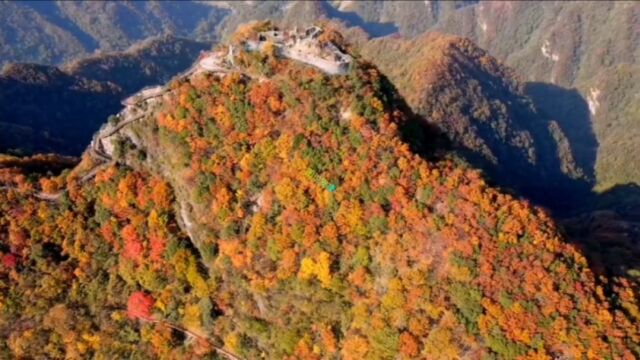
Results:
[587, 48]
[479, 104]
[49, 109]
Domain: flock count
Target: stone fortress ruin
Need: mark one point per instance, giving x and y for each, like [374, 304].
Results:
[303, 46]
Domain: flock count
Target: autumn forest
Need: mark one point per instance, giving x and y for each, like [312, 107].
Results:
[278, 212]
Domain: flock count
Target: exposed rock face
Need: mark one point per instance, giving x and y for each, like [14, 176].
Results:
[304, 46]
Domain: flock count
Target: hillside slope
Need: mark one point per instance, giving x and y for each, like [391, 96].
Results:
[46, 110]
[572, 53]
[55, 32]
[49, 109]
[481, 107]
[267, 209]
[593, 47]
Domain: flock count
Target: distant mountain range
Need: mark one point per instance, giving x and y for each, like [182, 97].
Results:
[592, 47]
[54, 32]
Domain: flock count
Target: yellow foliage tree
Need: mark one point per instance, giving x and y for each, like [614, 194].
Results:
[319, 268]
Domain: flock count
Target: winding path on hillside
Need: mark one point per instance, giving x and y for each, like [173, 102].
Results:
[210, 62]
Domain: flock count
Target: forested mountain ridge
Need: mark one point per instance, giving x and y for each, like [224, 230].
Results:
[209, 221]
[586, 86]
[50, 109]
[154, 60]
[480, 105]
[592, 47]
[579, 61]
[496, 124]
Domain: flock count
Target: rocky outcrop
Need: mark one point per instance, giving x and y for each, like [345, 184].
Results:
[304, 46]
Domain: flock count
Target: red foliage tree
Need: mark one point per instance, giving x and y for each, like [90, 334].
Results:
[9, 261]
[157, 245]
[133, 247]
[139, 306]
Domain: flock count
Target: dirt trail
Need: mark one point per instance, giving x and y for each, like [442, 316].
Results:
[210, 62]
[133, 111]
